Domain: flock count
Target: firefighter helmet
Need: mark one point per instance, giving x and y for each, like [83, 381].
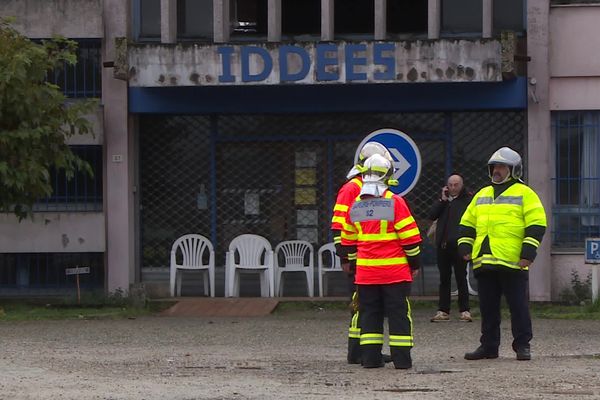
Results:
[369, 149]
[508, 157]
[376, 172]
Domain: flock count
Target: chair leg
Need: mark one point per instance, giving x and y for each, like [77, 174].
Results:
[205, 281]
[271, 282]
[264, 283]
[211, 281]
[172, 281]
[179, 276]
[281, 279]
[310, 281]
[320, 284]
[235, 290]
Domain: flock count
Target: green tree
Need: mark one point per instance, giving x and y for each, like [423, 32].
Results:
[35, 119]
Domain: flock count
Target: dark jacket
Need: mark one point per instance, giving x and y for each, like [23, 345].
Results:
[448, 214]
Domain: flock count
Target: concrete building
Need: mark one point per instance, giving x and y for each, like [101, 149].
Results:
[224, 117]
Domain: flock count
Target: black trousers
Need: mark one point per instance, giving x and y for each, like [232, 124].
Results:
[447, 259]
[493, 281]
[376, 302]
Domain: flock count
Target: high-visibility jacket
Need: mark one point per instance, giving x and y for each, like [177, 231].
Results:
[380, 228]
[345, 198]
[504, 221]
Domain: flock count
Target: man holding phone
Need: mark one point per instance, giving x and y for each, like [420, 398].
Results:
[448, 211]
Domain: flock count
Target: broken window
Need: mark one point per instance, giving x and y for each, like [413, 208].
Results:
[249, 18]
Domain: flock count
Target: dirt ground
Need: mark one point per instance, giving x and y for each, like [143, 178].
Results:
[288, 355]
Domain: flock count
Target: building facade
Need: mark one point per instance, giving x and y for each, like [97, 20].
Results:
[223, 117]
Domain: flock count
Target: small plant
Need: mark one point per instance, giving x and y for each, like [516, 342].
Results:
[579, 292]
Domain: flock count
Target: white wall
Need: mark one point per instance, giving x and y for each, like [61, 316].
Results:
[53, 233]
[562, 267]
[46, 18]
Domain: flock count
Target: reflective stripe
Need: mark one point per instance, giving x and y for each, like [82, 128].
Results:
[489, 259]
[376, 262]
[409, 316]
[466, 240]
[412, 252]
[337, 239]
[383, 225]
[357, 182]
[484, 200]
[371, 338]
[349, 236]
[409, 233]
[404, 222]
[349, 227]
[516, 200]
[401, 341]
[354, 330]
[352, 257]
[376, 237]
[532, 241]
[338, 219]
[340, 207]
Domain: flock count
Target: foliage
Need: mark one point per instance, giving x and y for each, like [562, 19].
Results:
[579, 292]
[35, 119]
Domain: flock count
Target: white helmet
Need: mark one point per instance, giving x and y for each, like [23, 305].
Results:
[369, 149]
[376, 172]
[509, 157]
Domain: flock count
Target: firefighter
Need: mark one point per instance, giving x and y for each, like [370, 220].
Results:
[345, 197]
[381, 229]
[501, 231]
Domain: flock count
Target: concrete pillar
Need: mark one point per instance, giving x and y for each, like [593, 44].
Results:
[327, 19]
[539, 138]
[380, 19]
[221, 21]
[168, 21]
[118, 146]
[488, 18]
[274, 21]
[434, 18]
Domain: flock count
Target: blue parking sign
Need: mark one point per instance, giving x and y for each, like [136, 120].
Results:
[404, 151]
[592, 251]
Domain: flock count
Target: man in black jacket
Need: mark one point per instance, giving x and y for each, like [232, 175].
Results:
[448, 210]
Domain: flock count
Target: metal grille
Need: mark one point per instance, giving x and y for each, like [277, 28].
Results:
[576, 207]
[278, 175]
[80, 193]
[84, 79]
[47, 270]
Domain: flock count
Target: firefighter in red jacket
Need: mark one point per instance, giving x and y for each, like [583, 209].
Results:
[381, 229]
[345, 198]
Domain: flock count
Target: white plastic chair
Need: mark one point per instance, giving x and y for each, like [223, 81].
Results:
[193, 248]
[332, 264]
[254, 254]
[295, 260]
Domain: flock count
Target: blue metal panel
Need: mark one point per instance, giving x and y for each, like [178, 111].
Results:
[410, 97]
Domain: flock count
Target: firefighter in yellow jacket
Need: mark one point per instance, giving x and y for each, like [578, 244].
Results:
[501, 231]
[381, 229]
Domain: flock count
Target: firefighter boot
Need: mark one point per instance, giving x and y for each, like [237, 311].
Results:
[401, 358]
[353, 351]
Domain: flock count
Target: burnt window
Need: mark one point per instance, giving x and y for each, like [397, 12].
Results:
[354, 17]
[249, 18]
[406, 16]
[301, 17]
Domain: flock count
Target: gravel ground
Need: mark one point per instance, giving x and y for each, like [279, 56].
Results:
[288, 355]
